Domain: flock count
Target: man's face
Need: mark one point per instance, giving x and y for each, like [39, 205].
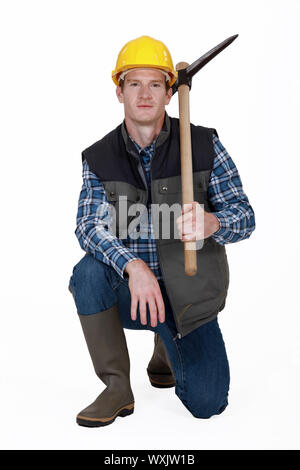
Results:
[144, 95]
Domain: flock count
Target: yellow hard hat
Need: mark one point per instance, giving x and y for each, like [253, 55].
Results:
[144, 52]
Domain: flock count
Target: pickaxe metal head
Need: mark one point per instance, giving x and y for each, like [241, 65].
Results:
[185, 75]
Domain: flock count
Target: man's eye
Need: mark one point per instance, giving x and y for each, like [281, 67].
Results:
[154, 84]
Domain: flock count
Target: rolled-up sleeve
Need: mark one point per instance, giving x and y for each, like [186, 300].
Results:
[226, 195]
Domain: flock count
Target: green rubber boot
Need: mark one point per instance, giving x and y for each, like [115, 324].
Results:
[107, 346]
[159, 368]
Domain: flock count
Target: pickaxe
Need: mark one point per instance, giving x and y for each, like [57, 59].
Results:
[183, 85]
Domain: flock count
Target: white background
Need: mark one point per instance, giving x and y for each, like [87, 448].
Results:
[57, 98]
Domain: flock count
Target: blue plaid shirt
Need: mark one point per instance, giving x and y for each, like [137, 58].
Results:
[230, 203]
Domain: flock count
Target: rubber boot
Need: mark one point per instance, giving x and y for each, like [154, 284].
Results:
[107, 346]
[159, 368]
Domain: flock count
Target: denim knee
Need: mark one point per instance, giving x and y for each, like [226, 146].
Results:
[203, 400]
[91, 286]
[206, 408]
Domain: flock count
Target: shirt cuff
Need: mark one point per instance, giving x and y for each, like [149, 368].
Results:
[224, 231]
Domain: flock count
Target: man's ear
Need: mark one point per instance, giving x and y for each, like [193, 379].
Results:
[169, 95]
[119, 94]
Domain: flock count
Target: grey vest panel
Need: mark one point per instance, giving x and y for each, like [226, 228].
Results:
[122, 197]
[195, 299]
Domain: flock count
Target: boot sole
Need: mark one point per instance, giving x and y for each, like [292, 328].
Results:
[97, 422]
[166, 382]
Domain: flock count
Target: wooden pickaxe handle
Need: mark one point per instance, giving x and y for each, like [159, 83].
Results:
[190, 254]
[182, 85]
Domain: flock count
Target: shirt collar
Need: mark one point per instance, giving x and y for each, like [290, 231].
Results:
[159, 140]
[149, 149]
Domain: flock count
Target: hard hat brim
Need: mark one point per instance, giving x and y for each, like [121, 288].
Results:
[115, 74]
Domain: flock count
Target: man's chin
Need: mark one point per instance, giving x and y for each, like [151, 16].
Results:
[146, 112]
[145, 119]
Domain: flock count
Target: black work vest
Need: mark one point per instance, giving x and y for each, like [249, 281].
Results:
[196, 299]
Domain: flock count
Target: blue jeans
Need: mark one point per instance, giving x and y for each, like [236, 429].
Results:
[199, 359]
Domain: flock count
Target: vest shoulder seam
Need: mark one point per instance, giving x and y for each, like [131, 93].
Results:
[204, 129]
[101, 142]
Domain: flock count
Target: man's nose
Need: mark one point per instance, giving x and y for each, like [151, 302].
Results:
[145, 91]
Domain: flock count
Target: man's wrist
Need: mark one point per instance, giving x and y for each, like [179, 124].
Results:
[132, 265]
[214, 223]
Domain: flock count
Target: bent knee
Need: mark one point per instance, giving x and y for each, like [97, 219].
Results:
[203, 407]
[207, 409]
[90, 286]
[89, 272]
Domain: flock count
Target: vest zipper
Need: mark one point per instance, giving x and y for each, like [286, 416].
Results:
[179, 335]
[144, 177]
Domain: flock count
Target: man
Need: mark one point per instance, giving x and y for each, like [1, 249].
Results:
[138, 282]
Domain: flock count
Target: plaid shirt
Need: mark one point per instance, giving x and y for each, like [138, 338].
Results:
[225, 191]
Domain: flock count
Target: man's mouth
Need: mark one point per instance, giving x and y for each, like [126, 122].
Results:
[144, 106]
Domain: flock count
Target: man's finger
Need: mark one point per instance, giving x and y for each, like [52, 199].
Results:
[161, 308]
[189, 237]
[186, 208]
[133, 307]
[184, 220]
[153, 312]
[188, 226]
[143, 311]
